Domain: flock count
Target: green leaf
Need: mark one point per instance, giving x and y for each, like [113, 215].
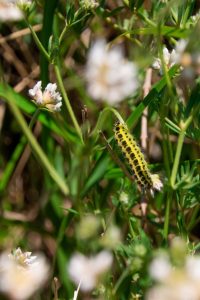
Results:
[48, 17]
[114, 173]
[186, 178]
[172, 125]
[70, 12]
[97, 173]
[62, 266]
[38, 151]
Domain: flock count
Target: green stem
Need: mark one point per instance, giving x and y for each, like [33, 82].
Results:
[15, 156]
[177, 158]
[167, 214]
[164, 142]
[183, 126]
[165, 154]
[102, 118]
[63, 33]
[121, 279]
[67, 103]
[170, 150]
[165, 69]
[61, 233]
[34, 118]
[36, 147]
[38, 43]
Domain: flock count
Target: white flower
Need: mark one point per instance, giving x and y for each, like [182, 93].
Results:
[9, 11]
[193, 267]
[87, 270]
[50, 98]
[168, 60]
[89, 4]
[160, 268]
[109, 75]
[157, 183]
[21, 274]
[183, 291]
[175, 282]
[23, 259]
[196, 17]
[23, 2]
[24, 5]
[179, 50]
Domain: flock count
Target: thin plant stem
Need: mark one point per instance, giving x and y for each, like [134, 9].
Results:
[76, 292]
[38, 43]
[36, 148]
[177, 158]
[16, 154]
[165, 152]
[67, 102]
[61, 233]
[170, 151]
[63, 33]
[34, 118]
[167, 213]
[102, 118]
[163, 64]
[183, 126]
[120, 280]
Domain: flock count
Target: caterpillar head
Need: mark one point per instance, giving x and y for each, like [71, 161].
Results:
[156, 183]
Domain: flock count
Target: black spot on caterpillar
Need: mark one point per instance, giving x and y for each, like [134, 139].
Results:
[136, 158]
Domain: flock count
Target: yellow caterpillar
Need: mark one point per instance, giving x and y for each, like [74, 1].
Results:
[136, 159]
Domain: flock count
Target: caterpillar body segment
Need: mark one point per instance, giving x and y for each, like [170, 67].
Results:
[136, 158]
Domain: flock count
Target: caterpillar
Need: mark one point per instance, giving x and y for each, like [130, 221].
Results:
[136, 160]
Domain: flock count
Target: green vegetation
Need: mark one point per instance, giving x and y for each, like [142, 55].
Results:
[65, 186]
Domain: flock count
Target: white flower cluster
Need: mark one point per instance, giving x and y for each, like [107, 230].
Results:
[23, 4]
[88, 4]
[21, 274]
[86, 271]
[179, 51]
[189, 61]
[11, 10]
[110, 77]
[171, 58]
[175, 282]
[23, 259]
[195, 18]
[157, 183]
[50, 98]
[168, 60]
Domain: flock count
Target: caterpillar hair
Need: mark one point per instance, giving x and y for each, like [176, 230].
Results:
[136, 159]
